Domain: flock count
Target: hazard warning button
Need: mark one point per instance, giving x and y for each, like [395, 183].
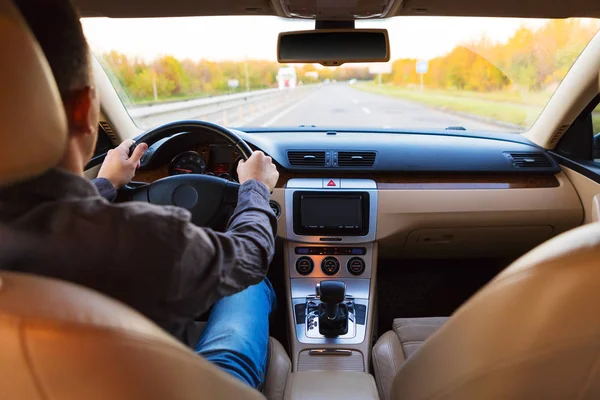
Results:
[331, 183]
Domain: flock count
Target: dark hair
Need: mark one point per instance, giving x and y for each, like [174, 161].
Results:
[56, 26]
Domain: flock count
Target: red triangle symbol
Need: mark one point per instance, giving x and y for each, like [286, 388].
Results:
[331, 183]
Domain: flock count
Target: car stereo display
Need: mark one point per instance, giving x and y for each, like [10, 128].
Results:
[331, 214]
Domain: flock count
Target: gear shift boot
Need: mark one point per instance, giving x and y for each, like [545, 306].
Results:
[337, 326]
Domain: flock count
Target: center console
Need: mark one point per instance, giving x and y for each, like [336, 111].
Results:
[330, 257]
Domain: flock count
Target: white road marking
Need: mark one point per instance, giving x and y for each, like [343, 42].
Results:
[386, 127]
[365, 109]
[281, 114]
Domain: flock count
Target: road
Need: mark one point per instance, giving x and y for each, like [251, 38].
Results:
[343, 105]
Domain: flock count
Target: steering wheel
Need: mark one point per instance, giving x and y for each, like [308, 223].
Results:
[209, 199]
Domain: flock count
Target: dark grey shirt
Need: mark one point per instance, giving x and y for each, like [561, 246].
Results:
[150, 257]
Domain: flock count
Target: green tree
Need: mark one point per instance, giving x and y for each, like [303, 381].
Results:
[170, 74]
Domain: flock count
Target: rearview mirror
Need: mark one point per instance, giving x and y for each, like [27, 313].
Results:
[333, 47]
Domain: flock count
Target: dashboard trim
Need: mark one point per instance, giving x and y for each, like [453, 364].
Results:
[404, 182]
[152, 175]
[437, 182]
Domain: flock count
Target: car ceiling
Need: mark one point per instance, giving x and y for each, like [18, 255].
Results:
[340, 9]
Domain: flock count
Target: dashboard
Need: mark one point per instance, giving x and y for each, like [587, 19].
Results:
[347, 199]
[413, 156]
[440, 194]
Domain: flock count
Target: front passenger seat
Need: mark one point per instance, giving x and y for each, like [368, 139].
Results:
[395, 347]
[532, 333]
[61, 341]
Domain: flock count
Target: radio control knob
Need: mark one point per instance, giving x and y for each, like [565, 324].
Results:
[330, 266]
[356, 265]
[304, 265]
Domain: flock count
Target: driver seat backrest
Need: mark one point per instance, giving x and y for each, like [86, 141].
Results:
[58, 340]
[63, 341]
[33, 130]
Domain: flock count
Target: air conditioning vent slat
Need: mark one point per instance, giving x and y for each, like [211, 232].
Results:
[356, 158]
[107, 127]
[529, 160]
[306, 158]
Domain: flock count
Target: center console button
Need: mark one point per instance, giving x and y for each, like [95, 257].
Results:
[330, 266]
[331, 183]
[356, 265]
[304, 265]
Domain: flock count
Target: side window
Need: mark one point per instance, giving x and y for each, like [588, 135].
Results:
[581, 143]
[596, 119]
[596, 131]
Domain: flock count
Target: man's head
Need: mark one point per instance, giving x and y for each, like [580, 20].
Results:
[56, 26]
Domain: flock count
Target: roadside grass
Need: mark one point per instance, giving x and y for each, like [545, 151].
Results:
[139, 101]
[508, 107]
[149, 99]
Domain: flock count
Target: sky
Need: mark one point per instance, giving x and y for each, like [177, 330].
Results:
[255, 37]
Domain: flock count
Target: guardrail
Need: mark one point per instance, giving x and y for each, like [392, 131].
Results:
[230, 110]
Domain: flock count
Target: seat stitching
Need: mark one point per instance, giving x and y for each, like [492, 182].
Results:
[402, 347]
[29, 362]
[413, 341]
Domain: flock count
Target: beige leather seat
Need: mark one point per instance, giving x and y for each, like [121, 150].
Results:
[532, 333]
[61, 341]
[395, 347]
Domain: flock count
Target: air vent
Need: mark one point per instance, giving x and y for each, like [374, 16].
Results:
[558, 134]
[109, 131]
[356, 158]
[306, 158]
[529, 160]
[276, 208]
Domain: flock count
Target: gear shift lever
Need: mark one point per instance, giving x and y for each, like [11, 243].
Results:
[332, 294]
[333, 312]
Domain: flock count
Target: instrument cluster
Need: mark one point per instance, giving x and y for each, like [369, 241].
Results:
[217, 159]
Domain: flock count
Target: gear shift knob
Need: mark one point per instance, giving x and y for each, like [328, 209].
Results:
[332, 293]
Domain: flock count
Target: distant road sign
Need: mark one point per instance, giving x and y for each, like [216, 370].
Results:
[233, 83]
[380, 68]
[422, 67]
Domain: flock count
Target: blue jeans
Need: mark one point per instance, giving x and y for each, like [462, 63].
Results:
[236, 337]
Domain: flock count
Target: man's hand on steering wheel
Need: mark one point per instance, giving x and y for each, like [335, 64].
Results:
[118, 167]
[209, 199]
[259, 167]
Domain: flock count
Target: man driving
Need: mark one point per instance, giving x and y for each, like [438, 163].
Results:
[149, 257]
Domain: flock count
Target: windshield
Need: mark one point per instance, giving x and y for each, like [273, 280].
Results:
[482, 74]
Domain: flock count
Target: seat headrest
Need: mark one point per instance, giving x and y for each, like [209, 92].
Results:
[33, 127]
[63, 341]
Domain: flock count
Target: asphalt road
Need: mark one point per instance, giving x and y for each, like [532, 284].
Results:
[342, 105]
